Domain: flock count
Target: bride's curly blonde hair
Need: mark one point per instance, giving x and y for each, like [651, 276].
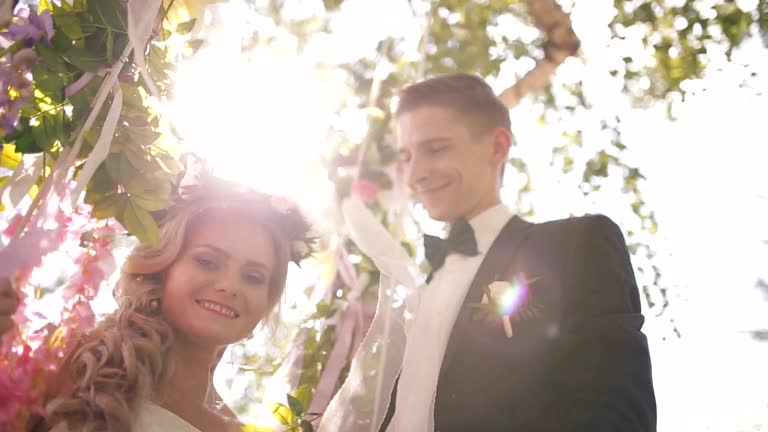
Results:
[126, 357]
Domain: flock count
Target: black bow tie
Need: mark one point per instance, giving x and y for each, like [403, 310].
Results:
[461, 239]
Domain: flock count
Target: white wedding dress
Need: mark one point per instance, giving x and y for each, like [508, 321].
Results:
[153, 418]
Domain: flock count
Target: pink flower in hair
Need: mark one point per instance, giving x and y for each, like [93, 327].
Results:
[366, 190]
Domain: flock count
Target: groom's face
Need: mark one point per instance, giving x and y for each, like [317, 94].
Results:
[450, 167]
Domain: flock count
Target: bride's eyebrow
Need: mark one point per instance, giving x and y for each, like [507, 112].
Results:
[250, 263]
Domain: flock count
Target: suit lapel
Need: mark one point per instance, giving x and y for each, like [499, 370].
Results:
[497, 261]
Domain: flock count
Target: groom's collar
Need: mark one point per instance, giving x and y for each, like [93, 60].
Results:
[488, 224]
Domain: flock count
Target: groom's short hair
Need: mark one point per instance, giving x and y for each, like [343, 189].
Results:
[466, 93]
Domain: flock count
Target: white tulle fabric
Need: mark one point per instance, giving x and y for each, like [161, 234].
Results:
[361, 403]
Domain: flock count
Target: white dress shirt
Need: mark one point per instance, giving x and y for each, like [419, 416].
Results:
[428, 333]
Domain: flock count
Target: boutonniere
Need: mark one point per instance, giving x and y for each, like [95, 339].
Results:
[508, 301]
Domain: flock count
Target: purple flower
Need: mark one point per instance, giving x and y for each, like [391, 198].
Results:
[31, 26]
[25, 58]
[43, 21]
[9, 115]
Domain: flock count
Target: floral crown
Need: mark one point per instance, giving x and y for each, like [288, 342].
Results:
[212, 192]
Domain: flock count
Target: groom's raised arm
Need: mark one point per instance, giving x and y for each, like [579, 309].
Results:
[603, 373]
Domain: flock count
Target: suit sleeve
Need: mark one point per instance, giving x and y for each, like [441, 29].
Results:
[603, 373]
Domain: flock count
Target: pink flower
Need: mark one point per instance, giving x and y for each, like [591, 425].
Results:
[366, 190]
[85, 317]
[94, 265]
[13, 225]
[19, 396]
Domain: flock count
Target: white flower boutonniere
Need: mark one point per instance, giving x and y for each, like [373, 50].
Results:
[281, 204]
[508, 300]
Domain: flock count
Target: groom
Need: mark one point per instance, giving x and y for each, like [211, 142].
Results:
[523, 327]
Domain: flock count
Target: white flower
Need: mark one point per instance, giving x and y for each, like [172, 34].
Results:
[511, 300]
[299, 248]
[497, 290]
[282, 205]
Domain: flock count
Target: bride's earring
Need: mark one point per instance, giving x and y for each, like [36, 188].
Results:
[154, 304]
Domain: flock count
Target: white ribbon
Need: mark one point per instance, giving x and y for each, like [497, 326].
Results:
[141, 18]
[101, 149]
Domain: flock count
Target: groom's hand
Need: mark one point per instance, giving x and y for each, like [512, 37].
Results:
[9, 301]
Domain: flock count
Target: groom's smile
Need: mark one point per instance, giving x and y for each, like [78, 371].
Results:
[432, 190]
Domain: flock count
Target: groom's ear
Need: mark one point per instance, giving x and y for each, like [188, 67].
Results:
[501, 141]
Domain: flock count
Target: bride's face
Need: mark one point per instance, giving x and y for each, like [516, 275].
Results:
[218, 288]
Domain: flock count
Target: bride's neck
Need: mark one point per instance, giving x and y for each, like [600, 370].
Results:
[191, 371]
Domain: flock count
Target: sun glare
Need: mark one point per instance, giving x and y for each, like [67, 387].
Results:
[259, 116]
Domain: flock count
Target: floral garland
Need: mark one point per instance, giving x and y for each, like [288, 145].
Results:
[79, 81]
[278, 210]
[33, 354]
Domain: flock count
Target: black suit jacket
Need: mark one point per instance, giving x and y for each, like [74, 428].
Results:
[581, 364]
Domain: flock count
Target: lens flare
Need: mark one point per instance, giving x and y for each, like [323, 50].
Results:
[513, 298]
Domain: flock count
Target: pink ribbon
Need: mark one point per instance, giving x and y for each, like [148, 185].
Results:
[351, 328]
[79, 84]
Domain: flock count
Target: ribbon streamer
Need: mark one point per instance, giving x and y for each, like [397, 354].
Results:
[141, 20]
[350, 323]
[101, 149]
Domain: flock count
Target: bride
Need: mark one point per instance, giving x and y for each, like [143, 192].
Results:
[219, 270]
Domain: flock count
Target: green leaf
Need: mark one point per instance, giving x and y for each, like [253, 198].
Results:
[139, 222]
[281, 413]
[158, 66]
[84, 59]
[49, 83]
[186, 26]
[61, 42]
[109, 13]
[50, 129]
[296, 406]
[81, 101]
[69, 23]
[142, 136]
[101, 184]
[43, 141]
[306, 426]
[51, 58]
[303, 394]
[151, 203]
[108, 206]
[168, 163]
[131, 96]
[195, 45]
